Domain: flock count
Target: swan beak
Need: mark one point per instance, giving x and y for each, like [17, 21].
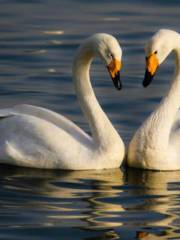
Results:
[151, 68]
[114, 70]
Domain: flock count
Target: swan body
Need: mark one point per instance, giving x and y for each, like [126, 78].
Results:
[156, 144]
[32, 136]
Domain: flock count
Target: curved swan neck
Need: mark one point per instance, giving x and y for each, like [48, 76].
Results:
[101, 128]
[177, 58]
[81, 67]
[173, 95]
[161, 120]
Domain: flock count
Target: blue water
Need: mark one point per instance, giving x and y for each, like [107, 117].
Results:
[38, 40]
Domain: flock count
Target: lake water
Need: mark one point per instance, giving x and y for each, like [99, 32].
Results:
[38, 39]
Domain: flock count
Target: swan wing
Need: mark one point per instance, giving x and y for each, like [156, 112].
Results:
[27, 140]
[50, 116]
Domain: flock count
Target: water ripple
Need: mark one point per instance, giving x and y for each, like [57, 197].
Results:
[37, 43]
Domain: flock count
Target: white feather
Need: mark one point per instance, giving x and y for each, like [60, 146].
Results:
[36, 137]
[156, 144]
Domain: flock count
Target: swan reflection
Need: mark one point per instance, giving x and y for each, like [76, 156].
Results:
[106, 204]
[65, 198]
[160, 192]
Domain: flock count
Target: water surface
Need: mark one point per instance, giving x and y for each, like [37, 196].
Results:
[38, 40]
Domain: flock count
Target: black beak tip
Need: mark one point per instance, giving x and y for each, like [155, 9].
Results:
[145, 84]
[117, 82]
[119, 87]
[147, 78]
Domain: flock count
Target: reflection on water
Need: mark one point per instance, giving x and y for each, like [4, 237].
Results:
[38, 40]
[160, 191]
[107, 204]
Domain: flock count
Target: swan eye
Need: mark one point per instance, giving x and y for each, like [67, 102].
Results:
[155, 52]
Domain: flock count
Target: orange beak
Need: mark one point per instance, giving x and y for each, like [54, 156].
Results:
[152, 64]
[114, 69]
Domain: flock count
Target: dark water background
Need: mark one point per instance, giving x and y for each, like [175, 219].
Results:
[38, 39]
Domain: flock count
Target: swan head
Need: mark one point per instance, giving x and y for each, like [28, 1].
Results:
[156, 50]
[108, 49]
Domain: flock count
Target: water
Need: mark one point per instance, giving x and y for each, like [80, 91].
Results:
[38, 40]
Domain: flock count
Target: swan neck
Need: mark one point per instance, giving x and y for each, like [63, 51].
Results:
[177, 61]
[100, 126]
[175, 84]
[162, 119]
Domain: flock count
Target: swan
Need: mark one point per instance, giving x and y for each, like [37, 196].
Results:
[156, 144]
[32, 136]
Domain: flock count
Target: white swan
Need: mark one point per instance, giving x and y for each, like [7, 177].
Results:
[36, 137]
[156, 144]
